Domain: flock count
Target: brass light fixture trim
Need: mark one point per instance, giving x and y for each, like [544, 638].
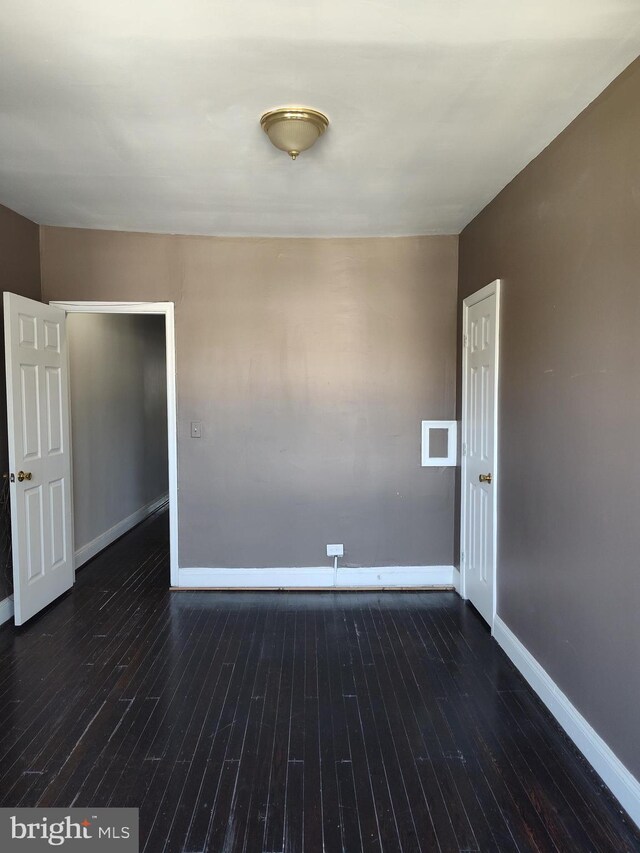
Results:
[294, 129]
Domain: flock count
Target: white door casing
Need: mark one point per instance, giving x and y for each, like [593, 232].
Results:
[165, 309]
[478, 541]
[39, 446]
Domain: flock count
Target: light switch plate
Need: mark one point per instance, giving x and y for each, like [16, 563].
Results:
[196, 429]
[335, 550]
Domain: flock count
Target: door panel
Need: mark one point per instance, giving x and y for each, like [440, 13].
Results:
[54, 410]
[52, 336]
[34, 533]
[30, 413]
[38, 428]
[58, 527]
[479, 413]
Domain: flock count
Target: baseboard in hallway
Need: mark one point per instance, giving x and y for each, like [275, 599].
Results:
[6, 609]
[88, 551]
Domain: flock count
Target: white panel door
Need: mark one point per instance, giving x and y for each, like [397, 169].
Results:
[39, 453]
[479, 454]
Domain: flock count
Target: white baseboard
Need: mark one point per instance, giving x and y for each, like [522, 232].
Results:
[457, 582]
[614, 774]
[6, 609]
[317, 577]
[86, 552]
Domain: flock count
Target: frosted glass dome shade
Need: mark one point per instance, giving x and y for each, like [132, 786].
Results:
[294, 129]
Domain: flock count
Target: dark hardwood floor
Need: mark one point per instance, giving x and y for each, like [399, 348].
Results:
[266, 722]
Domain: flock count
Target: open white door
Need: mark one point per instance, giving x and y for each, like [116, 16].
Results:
[480, 449]
[39, 453]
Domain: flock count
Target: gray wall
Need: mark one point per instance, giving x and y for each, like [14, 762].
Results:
[565, 238]
[118, 392]
[19, 273]
[310, 364]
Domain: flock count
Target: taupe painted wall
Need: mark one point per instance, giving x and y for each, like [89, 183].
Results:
[118, 389]
[19, 273]
[565, 238]
[310, 364]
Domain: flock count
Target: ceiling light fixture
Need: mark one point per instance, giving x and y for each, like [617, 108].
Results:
[294, 129]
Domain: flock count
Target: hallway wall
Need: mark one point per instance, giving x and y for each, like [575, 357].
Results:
[564, 237]
[118, 391]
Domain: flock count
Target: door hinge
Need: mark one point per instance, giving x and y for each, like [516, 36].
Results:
[462, 556]
[464, 448]
[465, 340]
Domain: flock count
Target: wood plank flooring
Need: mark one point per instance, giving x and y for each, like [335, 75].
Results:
[298, 722]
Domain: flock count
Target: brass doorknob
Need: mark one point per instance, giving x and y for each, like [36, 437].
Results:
[485, 478]
[24, 475]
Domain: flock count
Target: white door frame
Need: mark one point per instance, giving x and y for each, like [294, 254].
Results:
[166, 308]
[478, 296]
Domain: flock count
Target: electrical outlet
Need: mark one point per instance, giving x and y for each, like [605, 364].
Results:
[196, 429]
[335, 550]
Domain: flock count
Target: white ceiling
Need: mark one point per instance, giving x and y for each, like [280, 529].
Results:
[144, 114]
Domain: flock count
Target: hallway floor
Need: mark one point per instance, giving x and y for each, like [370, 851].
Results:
[266, 722]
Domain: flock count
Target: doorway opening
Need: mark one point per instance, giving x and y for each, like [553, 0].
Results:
[123, 420]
